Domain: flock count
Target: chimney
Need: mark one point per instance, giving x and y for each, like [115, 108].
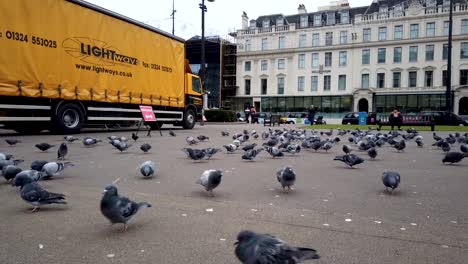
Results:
[245, 20]
[301, 9]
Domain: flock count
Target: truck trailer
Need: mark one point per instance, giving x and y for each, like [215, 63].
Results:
[66, 64]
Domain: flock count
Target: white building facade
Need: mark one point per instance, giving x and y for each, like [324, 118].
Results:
[340, 59]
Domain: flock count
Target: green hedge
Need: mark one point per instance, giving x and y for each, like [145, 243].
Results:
[220, 116]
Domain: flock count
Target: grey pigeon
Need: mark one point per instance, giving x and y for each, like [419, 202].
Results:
[88, 141]
[251, 154]
[147, 169]
[400, 146]
[464, 148]
[230, 148]
[249, 147]
[4, 163]
[372, 152]
[172, 133]
[53, 169]
[286, 176]
[38, 164]
[135, 136]
[436, 137]
[195, 154]
[10, 171]
[70, 139]
[12, 142]
[327, 146]
[293, 148]
[419, 141]
[254, 248]
[210, 152]
[454, 157]
[33, 193]
[350, 159]
[119, 209]
[44, 146]
[347, 149]
[274, 152]
[4, 156]
[122, 146]
[191, 141]
[224, 133]
[145, 147]
[210, 179]
[271, 142]
[32, 174]
[391, 179]
[62, 151]
[202, 138]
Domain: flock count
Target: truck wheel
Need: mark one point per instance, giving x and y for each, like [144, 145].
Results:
[69, 119]
[189, 119]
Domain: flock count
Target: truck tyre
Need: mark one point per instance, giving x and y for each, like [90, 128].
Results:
[189, 119]
[69, 119]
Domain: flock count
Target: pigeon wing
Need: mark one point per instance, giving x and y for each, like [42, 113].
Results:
[127, 207]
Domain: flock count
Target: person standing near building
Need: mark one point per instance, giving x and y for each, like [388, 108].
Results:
[395, 118]
[311, 114]
[253, 111]
[247, 113]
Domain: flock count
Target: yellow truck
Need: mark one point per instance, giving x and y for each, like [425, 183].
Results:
[66, 64]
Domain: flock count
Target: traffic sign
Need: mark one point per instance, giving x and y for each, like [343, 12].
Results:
[147, 113]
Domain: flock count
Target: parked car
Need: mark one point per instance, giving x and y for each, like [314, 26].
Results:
[260, 117]
[442, 118]
[294, 118]
[353, 118]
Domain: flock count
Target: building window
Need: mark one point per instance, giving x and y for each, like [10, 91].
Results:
[343, 37]
[396, 79]
[264, 65]
[430, 29]
[446, 28]
[301, 61]
[280, 85]
[266, 23]
[281, 63]
[281, 42]
[316, 39]
[315, 60]
[248, 45]
[328, 59]
[263, 84]
[313, 83]
[366, 35]
[380, 80]
[428, 78]
[304, 21]
[398, 33]
[444, 78]
[248, 66]
[464, 50]
[445, 52]
[344, 17]
[414, 31]
[413, 53]
[366, 56]
[429, 52]
[317, 20]
[397, 55]
[412, 79]
[326, 83]
[464, 26]
[343, 58]
[381, 55]
[365, 81]
[264, 43]
[302, 40]
[382, 33]
[331, 18]
[300, 83]
[463, 77]
[279, 22]
[247, 87]
[341, 82]
[329, 38]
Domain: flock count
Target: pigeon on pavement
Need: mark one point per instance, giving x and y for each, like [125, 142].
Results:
[62, 151]
[249, 147]
[135, 136]
[230, 148]
[350, 159]
[372, 152]
[203, 138]
[347, 149]
[210, 179]
[195, 154]
[147, 169]
[32, 174]
[145, 147]
[400, 146]
[4, 156]
[4, 163]
[286, 176]
[172, 133]
[251, 154]
[119, 209]
[210, 152]
[70, 139]
[391, 179]
[10, 171]
[88, 141]
[12, 142]
[191, 141]
[53, 169]
[44, 146]
[454, 157]
[274, 152]
[254, 248]
[464, 148]
[224, 133]
[38, 164]
[122, 146]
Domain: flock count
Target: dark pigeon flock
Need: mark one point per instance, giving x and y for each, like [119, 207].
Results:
[250, 247]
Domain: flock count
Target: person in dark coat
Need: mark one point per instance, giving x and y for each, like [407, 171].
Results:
[311, 114]
[395, 118]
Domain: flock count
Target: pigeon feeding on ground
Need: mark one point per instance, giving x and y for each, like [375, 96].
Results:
[327, 146]
[119, 209]
[224, 133]
[350, 159]
[145, 147]
[191, 141]
[70, 139]
[44, 146]
[347, 149]
[253, 248]
[210, 152]
[195, 154]
[32, 174]
[4, 156]
[274, 152]
[286, 176]
[419, 141]
[391, 179]
[53, 169]
[88, 141]
[122, 146]
[203, 138]
[12, 142]
[230, 148]
[171, 133]
[34, 194]
[62, 151]
[271, 142]
[293, 148]
[147, 169]
[400, 146]
[135, 136]
[454, 157]
[10, 171]
[464, 148]
[251, 154]
[372, 152]
[249, 147]
[4, 163]
[38, 164]
[210, 179]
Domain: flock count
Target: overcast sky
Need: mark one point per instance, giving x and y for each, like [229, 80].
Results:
[223, 16]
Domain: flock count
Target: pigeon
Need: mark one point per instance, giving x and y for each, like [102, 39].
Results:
[224, 133]
[38, 164]
[44, 146]
[464, 148]
[10, 171]
[286, 177]
[119, 209]
[195, 154]
[203, 138]
[172, 133]
[445, 146]
[249, 147]
[33, 193]
[271, 143]
[70, 139]
[316, 145]
[255, 136]
[251, 154]
[293, 148]
[62, 151]
[191, 141]
[372, 152]
[53, 169]
[391, 179]
[327, 146]
[454, 157]
[265, 135]
[135, 136]
[4, 156]
[347, 149]
[88, 141]
[145, 147]
[4, 163]
[350, 159]
[436, 137]
[400, 146]
[122, 146]
[12, 142]
[210, 179]
[254, 248]
[147, 169]
[210, 152]
[32, 174]
[419, 141]
[274, 152]
[230, 148]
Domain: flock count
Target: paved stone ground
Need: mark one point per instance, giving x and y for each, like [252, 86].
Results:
[425, 221]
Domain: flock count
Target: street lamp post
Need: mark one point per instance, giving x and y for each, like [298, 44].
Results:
[202, 60]
[448, 91]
